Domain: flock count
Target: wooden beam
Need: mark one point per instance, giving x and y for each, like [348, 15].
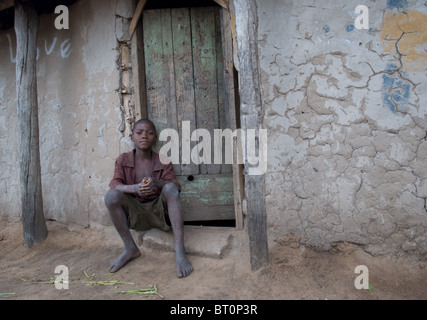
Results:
[26, 28]
[251, 117]
[4, 4]
[222, 3]
[138, 11]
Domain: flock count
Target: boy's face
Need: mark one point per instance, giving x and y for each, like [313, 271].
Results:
[144, 135]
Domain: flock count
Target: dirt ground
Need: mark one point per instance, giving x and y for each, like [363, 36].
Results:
[294, 272]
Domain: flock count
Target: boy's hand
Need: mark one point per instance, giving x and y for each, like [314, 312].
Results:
[136, 190]
[147, 186]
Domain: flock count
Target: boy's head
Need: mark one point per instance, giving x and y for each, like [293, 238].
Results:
[144, 134]
[143, 120]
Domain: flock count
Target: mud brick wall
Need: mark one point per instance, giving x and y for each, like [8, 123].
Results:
[346, 113]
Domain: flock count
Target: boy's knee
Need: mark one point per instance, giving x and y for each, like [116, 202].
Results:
[113, 197]
[170, 189]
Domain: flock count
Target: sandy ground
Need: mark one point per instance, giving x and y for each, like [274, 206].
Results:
[294, 272]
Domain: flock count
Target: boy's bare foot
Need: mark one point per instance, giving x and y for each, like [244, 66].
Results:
[124, 258]
[183, 267]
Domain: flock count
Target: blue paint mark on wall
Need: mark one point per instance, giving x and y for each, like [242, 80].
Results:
[349, 28]
[391, 67]
[326, 28]
[395, 4]
[396, 93]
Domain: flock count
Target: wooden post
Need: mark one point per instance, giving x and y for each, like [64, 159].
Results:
[26, 28]
[230, 102]
[251, 115]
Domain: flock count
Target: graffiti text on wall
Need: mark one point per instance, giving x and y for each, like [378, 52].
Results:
[64, 48]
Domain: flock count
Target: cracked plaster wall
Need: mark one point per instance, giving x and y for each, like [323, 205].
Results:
[346, 113]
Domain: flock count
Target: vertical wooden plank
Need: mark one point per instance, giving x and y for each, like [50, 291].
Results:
[223, 114]
[153, 65]
[257, 224]
[222, 105]
[184, 82]
[138, 74]
[169, 74]
[26, 28]
[168, 68]
[204, 61]
[227, 44]
[160, 75]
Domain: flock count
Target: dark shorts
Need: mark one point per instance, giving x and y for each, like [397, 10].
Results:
[144, 216]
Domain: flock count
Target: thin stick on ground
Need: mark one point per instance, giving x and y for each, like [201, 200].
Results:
[147, 291]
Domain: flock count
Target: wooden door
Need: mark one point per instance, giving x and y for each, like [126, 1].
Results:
[185, 82]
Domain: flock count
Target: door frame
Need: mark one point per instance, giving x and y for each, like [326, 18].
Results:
[231, 94]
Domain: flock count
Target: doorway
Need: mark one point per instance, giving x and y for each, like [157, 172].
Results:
[186, 82]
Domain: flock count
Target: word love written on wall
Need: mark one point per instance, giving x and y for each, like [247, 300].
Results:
[61, 22]
[49, 48]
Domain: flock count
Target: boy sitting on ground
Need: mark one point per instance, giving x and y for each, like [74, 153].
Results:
[141, 192]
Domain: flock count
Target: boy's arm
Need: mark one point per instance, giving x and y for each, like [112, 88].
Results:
[129, 188]
[134, 189]
[118, 175]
